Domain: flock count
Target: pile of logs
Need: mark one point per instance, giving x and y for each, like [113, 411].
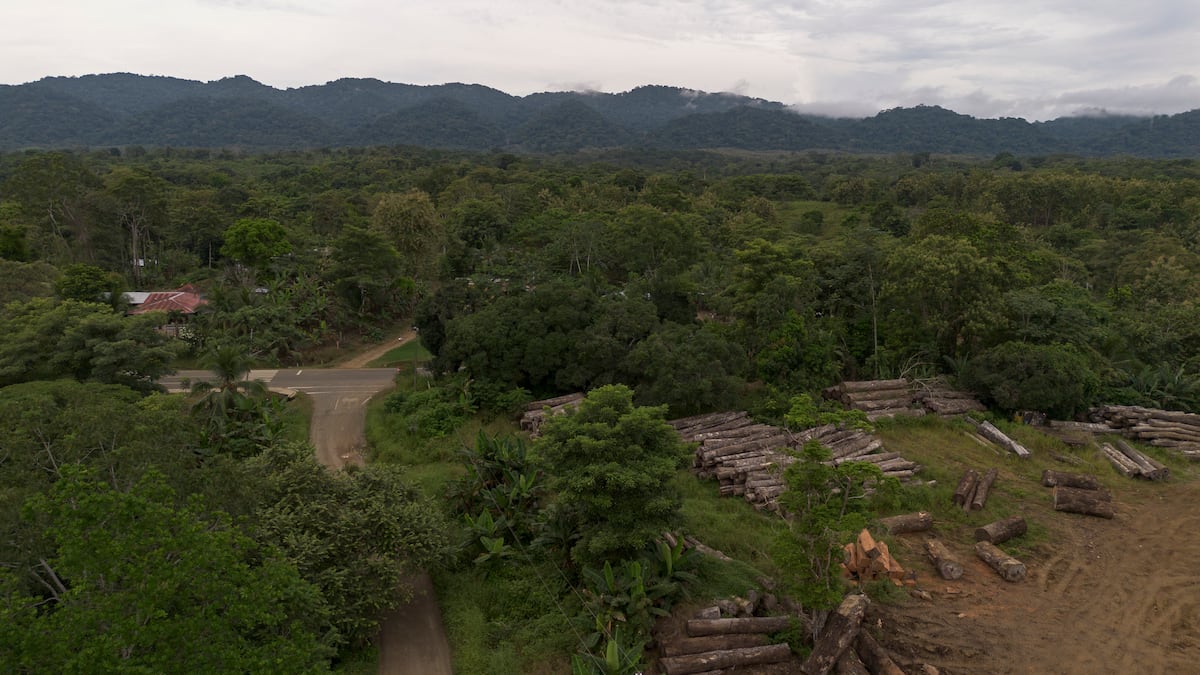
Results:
[938, 398]
[972, 491]
[877, 398]
[716, 643]
[865, 559]
[1133, 463]
[748, 458]
[1179, 431]
[537, 411]
[1078, 493]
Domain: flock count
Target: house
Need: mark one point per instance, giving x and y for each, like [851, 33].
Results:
[179, 304]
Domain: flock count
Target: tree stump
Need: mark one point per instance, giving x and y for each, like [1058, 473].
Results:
[908, 522]
[1087, 502]
[1083, 481]
[840, 631]
[946, 565]
[1008, 567]
[1001, 530]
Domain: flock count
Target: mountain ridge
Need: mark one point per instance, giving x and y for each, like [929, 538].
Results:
[120, 109]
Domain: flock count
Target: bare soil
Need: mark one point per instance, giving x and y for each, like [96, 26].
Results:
[1101, 596]
[412, 640]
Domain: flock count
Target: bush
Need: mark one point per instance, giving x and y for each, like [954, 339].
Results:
[1054, 379]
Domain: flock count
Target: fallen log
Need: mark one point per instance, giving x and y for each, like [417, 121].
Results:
[552, 402]
[1083, 481]
[1120, 462]
[947, 566]
[1001, 530]
[954, 406]
[840, 631]
[1088, 427]
[713, 643]
[895, 412]
[908, 522]
[883, 404]
[966, 487]
[849, 664]
[1149, 467]
[757, 624]
[853, 398]
[730, 658]
[1086, 502]
[979, 500]
[1008, 567]
[990, 432]
[873, 385]
[875, 657]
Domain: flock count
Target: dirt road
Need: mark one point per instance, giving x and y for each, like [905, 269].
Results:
[412, 639]
[1102, 596]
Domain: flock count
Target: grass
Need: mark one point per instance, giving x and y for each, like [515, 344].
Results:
[297, 416]
[731, 526]
[362, 661]
[409, 352]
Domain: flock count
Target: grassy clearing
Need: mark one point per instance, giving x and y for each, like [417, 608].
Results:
[408, 353]
[297, 416]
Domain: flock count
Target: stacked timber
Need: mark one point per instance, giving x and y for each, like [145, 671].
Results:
[972, 491]
[939, 398]
[714, 644]
[748, 458]
[877, 398]
[537, 411]
[1133, 463]
[866, 559]
[1179, 431]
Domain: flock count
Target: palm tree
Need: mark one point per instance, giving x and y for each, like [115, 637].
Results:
[234, 411]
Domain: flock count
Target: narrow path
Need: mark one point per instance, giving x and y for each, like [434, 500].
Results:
[361, 359]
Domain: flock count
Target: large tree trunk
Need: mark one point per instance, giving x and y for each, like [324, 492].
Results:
[1008, 567]
[1086, 502]
[761, 624]
[850, 664]
[1001, 530]
[943, 560]
[908, 522]
[731, 658]
[1083, 481]
[981, 491]
[713, 643]
[839, 633]
[875, 657]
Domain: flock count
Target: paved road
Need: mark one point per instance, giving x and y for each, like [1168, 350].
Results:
[412, 639]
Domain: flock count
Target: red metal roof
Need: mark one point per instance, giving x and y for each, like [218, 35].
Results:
[183, 300]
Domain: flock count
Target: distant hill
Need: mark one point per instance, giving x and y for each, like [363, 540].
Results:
[125, 109]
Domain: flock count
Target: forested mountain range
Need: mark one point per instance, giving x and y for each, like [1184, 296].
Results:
[125, 109]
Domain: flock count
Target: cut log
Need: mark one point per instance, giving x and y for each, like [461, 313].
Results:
[875, 657]
[956, 406]
[850, 664]
[979, 500]
[1148, 467]
[694, 543]
[867, 545]
[758, 624]
[1087, 502]
[730, 658]
[966, 487]
[895, 412]
[1008, 567]
[908, 522]
[1083, 481]
[947, 566]
[713, 643]
[840, 631]
[552, 402]
[884, 404]
[990, 432]
[873, 385]
[1120, 462]
[1001, 530]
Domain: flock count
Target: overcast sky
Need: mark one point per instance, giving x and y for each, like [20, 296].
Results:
[1037, 59]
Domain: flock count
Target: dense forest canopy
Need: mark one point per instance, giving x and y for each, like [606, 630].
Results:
[122, 109]
[689, 281]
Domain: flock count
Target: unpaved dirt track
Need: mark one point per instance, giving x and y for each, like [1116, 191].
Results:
[1106, 596]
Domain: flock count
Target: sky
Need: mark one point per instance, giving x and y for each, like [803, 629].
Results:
[1036, 59]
